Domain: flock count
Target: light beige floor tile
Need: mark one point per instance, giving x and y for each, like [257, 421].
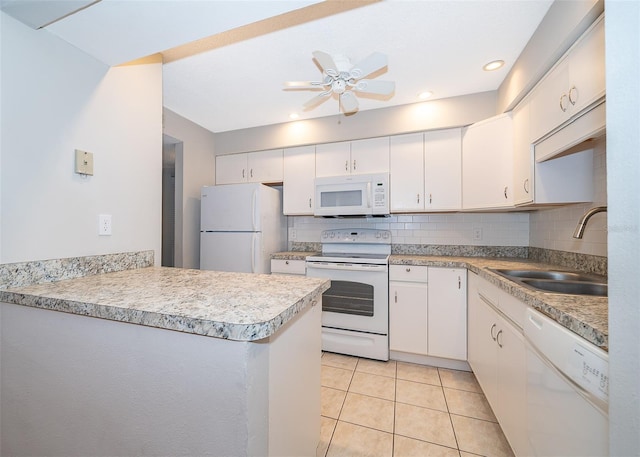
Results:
[418, 394]
[336, 378]
[331, 402]
[424, 424]
[377, 367]
[368, 411]
[461, 380]
[327, 426]
[351, 440]
[373, 385]
[346, 362]
[418, 373]
[408, 447]
[480, 437]
[470, 404]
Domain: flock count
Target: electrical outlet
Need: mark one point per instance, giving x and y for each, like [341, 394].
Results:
[293, 234]
[477, 233]
[104, 224]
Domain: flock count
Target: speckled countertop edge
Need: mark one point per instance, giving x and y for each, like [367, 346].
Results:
[586, 316]
[293, 255]
[235, 306]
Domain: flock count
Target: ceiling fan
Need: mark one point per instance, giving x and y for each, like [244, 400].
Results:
[342, 78]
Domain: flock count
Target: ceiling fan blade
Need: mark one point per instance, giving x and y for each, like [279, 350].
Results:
[371, 86]
[349, 102]
[315, 101]
[368, 65]
[326, 63]
[304, 85]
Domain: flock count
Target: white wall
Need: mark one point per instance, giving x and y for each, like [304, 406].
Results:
[55, 99]
[622, 41]
[553, 228]
[195, 167]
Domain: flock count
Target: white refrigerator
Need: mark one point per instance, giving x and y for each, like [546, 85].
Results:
[241, 225]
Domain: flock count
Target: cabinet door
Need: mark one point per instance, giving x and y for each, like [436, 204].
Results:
[265, 166]
[447, 313]
[512, 383]
[522, 156]
[482, 349]
[370, 156]
[407, 173]
[297, 186]
[333, 159]
[443, 169]
[408, 317]
[549, 102]
[487, 164]
[231, 169]
[587, 69]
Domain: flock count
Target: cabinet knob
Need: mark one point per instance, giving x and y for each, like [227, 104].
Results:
[491, 331]
[459, 282]
[498, 338]
[286, 262]
[430, 199]
[525, 184]
[309, 203]
[505, 192]
[251, 173]
[354, 164]
[346, 165]
[243, 172]
[418, 197]
[407, 270]
[395, 299]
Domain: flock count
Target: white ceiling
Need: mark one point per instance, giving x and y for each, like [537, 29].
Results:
[439, 46]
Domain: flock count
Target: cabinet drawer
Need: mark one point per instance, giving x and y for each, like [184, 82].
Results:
[408, 273]
[288, 267]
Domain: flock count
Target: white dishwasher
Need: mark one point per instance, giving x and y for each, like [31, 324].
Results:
[567, 391]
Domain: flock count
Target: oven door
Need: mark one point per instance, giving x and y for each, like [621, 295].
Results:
[358, 297]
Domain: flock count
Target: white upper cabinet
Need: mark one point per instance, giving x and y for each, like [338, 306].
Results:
[426, 171]
[299, 173]
[231, 169]
[575, 83]
[353, 157]
[487, 164]
[523, 183]
[370, 156]
[443, 170]
[265, 166]
[406, 161]
[260, 166]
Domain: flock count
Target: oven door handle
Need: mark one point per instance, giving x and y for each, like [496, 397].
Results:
[347, 266]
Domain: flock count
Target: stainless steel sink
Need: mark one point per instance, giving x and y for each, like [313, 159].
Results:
[557, 281]
[569, 287]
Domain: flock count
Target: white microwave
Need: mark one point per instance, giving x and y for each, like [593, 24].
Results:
[352, 195]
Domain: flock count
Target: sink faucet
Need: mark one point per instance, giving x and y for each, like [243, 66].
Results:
[585, 218]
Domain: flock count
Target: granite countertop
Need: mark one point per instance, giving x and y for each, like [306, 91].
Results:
[584, 315]
[235, 306]
[293, 255]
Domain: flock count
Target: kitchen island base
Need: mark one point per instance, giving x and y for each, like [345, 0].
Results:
[76, 386]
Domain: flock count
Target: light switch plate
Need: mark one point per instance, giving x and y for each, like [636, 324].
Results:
[84, 162]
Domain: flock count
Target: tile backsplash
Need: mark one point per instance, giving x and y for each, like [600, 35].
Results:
[477, 229]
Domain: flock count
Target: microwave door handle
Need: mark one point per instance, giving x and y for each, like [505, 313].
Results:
[369, 194]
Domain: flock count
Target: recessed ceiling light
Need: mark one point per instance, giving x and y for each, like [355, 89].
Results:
[494, 65]
[424, 95]
[293, 116]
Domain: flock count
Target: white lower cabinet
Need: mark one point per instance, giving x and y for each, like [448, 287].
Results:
[427, 311]
[497, 356]
[288, 267]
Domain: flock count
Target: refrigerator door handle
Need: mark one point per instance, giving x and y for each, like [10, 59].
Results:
[253, 209]
[253, 252]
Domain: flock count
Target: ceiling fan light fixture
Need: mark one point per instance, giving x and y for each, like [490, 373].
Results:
[294, 116]
[493, 65]
[424, 95]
